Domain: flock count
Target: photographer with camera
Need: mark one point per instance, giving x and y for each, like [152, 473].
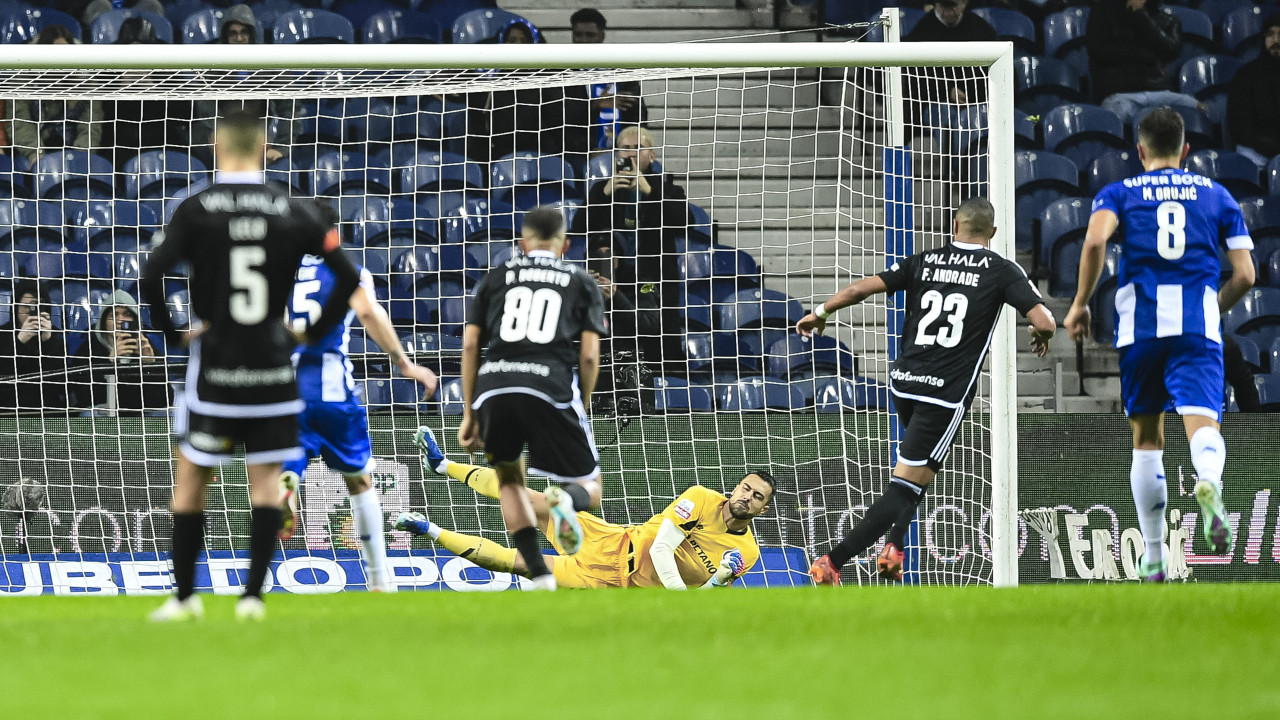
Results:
[117, 339]
[32, 354]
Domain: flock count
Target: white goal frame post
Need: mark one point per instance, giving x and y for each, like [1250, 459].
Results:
[996, 57]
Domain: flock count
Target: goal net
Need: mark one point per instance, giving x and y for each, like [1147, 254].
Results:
[766, 176]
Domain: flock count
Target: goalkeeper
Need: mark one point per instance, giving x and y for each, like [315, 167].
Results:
[702, 539]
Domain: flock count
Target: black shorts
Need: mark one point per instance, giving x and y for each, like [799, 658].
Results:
[561, 445]
[207, 440]
[928, 431]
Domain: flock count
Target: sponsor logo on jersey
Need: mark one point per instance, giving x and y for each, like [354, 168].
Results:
[907, 376]
[684, 509]
[249, 377]
[505, 366]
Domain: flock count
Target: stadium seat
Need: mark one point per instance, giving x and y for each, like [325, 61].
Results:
[1260, 307]
[381, 394]
[1197, 27]
[1013, 26]
[312, 26]
[205, 26]
[23, 26]
[402, 26]
[1268, 392]
[74, 174]
[1251, 353]
[696, 310]
[432, 171]
[119, 225]
[1273, 176]
[15, 177]
[473, 222]
[1064, 37]
[414, 268]
[757, 308]
[451, 400]
[1270, 273]
[1104, 300]
[1207, 78]
[1217, 10]
[1242, 31]
[106, 27]
[1024, 131]
[796, 357]
[392, 222]
[1042, 83]
[1062, 228]
[758, 393]
[32, 220]
[1232, 170]
[527, 179]
[430, 119]
[160, 174]
[1039, 179]
[1081, 133]
[343, 173]
[1111, 167]
[1262, 217]
[282, 171]
[481, 24]
[451, 202]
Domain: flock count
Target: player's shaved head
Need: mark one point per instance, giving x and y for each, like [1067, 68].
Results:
[975, 220]
[240, 136]
[1162, 133]
[544, 229]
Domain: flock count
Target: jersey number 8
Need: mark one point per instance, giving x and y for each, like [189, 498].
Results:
[530, 315]
[934, 305]
[1171, 240]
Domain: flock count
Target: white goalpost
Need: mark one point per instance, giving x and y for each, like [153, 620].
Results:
[787, 170]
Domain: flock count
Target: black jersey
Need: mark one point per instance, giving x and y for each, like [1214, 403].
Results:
[242, 243]
[954, 297]
[531, 311]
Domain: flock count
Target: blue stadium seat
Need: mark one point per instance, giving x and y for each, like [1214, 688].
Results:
[450, 202]
[1273, 176]
[1242, 31]
[481, 24]
[1207, 78]
[1064, 37]
[381, 394]
[23, 26]
[451, 400]
[33, 220]
[757, 308]
[1260, 307]
[1112, 167]
[1104, 300]
[282, 171]
[1217, 10]
[1268, 392]
[1269, 355]
[160, 174]
[1042, 84]
[1251, 353]
[106, 27]
[1232, 170]
[1013, 26]
[312, 26]
[74, 174]
[390, 222]
[343, 173]
[1039, 179]
[757, 394]
[414, 268]
[472, 222]
[15, 177]
[1082, 132]
[1024, 131]
[696, 310]
[205, 26]
[1262, 216]
[1197, 27]
[527, 179]
[796, 357]
[839, 394]
[432, 171]
[402, 26]
[113, 225]
[1270, 274]
[1062, 228]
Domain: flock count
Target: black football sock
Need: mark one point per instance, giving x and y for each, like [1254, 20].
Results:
[188, 539]
[880, 517]
[526, 542]
[581, 498]
[898, 534]
[264, 524]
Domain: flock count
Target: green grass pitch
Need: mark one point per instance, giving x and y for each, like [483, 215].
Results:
[1068, 651]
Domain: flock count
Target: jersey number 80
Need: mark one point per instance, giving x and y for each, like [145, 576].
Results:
[530, 315]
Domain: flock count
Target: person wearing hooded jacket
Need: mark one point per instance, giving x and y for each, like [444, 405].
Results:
[1132, 45]
[32, 354]
[117, 336]
[1253, 100]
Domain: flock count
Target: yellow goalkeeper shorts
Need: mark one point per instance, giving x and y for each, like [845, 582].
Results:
[601, 560]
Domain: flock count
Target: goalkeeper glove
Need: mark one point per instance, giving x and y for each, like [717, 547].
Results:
[732, 564]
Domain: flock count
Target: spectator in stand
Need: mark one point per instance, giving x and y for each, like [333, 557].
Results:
[41, 126]
[1253, 100]
[510, 121]
[95, 8]
[32, 354]
[594, 113]
[1130, 45]
[949, 22]
[146, 124]
[634, 318]
[117, 336]
[651, 207]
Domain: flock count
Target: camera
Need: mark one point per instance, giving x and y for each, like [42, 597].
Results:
[602, 266]
[128, 326]
[625, 164]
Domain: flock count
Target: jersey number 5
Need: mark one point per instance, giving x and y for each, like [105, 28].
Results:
[934, 305]
[248, 303]
[530, 315]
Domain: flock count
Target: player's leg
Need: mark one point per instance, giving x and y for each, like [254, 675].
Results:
[562, 447]
[1145, 396]
[485, 553]
[1195, 379]
[268, 443]
[481, 479]
[504, 422]
[292, 472]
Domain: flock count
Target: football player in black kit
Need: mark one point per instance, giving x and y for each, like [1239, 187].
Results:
[243, 241]
[538, 320]
[954, 296]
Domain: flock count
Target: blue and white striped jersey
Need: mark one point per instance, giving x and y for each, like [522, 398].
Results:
[323, 368]
[1172, 224]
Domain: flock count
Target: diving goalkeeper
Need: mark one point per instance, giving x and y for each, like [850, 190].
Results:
[702, 539]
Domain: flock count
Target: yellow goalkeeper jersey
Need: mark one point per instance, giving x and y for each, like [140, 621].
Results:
[699, 512]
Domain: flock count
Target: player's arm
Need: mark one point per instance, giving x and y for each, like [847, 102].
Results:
[469, 430]
[1102, 225]
[663, 555]
[346, 279]
[1242, 278]
[852, 294]
[378, 326]
[151, 284]
[588, 364]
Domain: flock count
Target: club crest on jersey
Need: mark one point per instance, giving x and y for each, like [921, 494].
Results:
[684, 509]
